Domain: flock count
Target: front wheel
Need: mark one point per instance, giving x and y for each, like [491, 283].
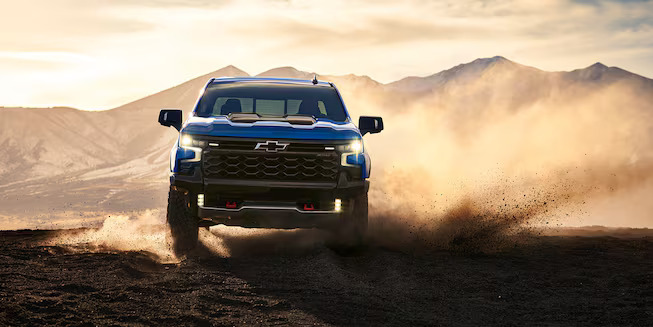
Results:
[351, 230]
[183, 223]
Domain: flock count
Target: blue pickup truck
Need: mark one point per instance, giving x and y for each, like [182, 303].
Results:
[268, 153]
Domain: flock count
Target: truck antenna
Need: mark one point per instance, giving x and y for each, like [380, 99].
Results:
[314, 79]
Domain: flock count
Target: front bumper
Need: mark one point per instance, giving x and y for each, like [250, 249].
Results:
[270, 217]
[271, 204]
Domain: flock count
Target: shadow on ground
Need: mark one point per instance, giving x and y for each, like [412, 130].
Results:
[552, 280]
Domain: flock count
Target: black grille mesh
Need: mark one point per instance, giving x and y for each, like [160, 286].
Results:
[280, 166]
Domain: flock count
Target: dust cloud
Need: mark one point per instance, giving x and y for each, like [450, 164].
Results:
[143, 231]
[147, 232]
[476, 173]
[472, 167]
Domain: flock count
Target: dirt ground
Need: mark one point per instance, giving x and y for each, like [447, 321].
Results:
[552, 280]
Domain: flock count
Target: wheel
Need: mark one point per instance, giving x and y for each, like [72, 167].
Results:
[182, 221]
[349, 234]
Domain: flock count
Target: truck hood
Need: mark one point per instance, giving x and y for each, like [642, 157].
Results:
[221, 126]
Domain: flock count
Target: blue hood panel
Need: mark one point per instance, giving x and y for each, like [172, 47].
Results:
[271, 130]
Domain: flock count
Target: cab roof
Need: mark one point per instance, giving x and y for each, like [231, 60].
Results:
[268, 80]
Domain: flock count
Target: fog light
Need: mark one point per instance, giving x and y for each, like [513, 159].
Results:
[200, 200]
[338, 205]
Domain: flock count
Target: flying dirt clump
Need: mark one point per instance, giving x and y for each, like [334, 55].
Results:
[481, 223]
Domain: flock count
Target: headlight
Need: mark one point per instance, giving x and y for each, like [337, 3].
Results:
[189, 150]
[187, 141]
[356, 146]
[352, 153]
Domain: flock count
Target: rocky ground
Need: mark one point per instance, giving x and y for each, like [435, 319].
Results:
[551, 280]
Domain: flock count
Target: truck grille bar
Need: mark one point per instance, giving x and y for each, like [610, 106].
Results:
[230, 163]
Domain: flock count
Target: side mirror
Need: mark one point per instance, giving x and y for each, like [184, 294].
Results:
[372, 125]
[171, 117]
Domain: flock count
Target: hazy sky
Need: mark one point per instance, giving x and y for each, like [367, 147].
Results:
[100, 54]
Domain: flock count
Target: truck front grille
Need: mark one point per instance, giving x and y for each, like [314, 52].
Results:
[261, 165]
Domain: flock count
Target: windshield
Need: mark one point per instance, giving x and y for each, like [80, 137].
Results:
[272, 100]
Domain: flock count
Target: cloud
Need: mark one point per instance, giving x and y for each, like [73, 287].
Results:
[601, 2]
[386, 31]
[58, 57]
[147, 45]
[60, 26]
[173, 3]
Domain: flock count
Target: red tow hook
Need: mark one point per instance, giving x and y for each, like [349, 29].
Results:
[231, 205]
[309, 207]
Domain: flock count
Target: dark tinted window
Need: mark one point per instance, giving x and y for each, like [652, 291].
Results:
[272, 100]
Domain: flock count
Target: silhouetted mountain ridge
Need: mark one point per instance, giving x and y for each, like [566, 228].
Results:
[42, 143]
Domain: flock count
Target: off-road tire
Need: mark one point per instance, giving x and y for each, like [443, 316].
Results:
[350, 233]
[183, 223]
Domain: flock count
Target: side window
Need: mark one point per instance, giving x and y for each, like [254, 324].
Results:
[322, 107]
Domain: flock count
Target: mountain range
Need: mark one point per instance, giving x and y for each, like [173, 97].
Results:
[56, 160]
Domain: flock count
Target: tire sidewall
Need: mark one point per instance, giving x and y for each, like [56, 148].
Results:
[181, 221]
